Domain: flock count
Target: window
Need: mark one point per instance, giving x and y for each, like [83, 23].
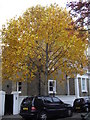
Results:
[19, 86]
[51, 62]
[88, 71]
[38, 101]
[27, 100]
[56, 100]
[52, 86]
[48, 100]
[84, 85]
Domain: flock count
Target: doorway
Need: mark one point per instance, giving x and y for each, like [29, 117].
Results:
[8, 104]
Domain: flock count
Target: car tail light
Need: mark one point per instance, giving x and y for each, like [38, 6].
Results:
[33, 108]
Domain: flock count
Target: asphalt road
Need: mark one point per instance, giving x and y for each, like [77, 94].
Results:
[76, 116]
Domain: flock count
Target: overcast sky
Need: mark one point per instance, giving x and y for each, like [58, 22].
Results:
[11, 8]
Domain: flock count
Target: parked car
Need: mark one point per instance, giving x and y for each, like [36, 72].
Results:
[43, 107]
[81, 104]
[85, 116]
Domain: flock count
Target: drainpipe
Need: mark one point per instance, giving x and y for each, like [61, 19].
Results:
[67, 85]
[68, 90]
[76, 87]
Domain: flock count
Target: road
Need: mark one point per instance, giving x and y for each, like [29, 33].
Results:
[76, 116]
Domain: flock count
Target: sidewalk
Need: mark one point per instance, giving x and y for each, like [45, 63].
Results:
[76, 116]
[0, 118]
[12, 117]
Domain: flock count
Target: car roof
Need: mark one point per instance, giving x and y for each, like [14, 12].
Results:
[40, 97]
[81, 98]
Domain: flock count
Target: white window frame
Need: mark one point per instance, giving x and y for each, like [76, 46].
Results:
[88, 71]
[85, 84]
[53, 67]
[19, 91]
[54, 87]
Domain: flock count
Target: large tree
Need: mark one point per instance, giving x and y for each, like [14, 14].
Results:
[40, 42]
[80, 11]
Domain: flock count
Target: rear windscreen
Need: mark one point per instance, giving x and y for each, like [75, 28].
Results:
[27, 100]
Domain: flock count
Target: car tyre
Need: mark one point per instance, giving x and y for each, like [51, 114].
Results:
[42, 115]
[25, 118]
[69, 113]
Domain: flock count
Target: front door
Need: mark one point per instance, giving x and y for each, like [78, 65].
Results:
[8, 104]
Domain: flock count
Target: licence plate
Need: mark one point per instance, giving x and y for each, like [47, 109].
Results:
[77, 107]
[25, 108]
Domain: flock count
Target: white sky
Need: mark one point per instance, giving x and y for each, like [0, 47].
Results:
[11, 8]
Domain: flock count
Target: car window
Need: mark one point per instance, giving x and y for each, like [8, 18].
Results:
[88, 100]
[27, 100]
[38, 101]
[77, 100]
[48, 100]
[56, 100]
[82, 100]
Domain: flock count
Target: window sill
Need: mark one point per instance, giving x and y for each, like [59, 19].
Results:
[51, 92]
[19, 91]
[84, 91]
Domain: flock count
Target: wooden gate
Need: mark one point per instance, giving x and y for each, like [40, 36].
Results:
[8, 104]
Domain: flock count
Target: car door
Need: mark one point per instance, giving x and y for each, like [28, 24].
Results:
[49, 106]
[59, 107]
[39, 103]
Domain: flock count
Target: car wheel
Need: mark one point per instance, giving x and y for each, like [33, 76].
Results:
[25, 118]
[43, 115]
[69, 112]
[86, 109]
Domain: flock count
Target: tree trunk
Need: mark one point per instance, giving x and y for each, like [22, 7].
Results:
[39, 84]
[46, 71]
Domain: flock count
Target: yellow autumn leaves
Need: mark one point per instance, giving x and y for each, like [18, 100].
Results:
[25, 41]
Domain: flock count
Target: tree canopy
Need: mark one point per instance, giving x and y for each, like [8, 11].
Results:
[42, 40]
[81, 12]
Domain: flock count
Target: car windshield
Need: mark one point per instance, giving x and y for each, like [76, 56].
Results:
[27, 100]
[57, 100]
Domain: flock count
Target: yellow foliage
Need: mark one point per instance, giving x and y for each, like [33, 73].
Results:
[25, 41]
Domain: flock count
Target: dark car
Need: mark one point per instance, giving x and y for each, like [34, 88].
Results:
[85, 116]
[81, 104]
[44, 107]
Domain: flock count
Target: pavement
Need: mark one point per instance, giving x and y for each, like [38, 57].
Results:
[0, 118]
[76, 116]
[12, 117]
